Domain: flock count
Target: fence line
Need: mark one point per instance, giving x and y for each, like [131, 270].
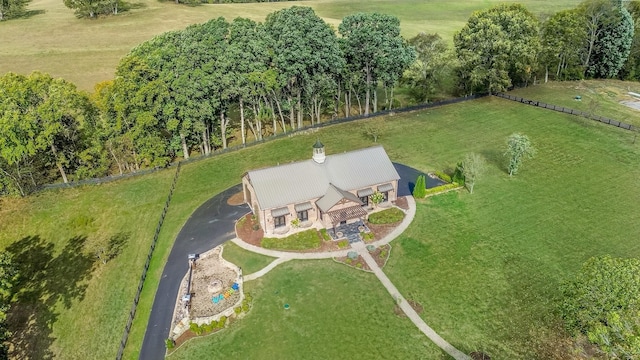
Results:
[565, 110]
[107, 179]
[136, 299]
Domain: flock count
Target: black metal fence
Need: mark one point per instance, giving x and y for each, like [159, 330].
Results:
[136, 299]
[106, 179]
[565, 110]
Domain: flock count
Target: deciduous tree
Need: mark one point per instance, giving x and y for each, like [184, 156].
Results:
[12, 8]
[563, 37]
[473, 166]
[433, 65]
[603, 303]
[374, 51]
[497, 48]
[519, 147]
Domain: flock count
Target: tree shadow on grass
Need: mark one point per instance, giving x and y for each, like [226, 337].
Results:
[46, 278]
[30, 13]
[496, 158]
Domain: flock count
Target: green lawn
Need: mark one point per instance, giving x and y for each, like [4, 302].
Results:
[599, 97]
[248, 261]
[308, 239]
[485, 266]
[388, 216]
[335, 313]
[87, 51]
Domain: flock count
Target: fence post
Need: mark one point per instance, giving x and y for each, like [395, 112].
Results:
[143, 276]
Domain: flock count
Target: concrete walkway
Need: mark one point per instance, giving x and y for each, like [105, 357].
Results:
[406, 307]
[360, 247]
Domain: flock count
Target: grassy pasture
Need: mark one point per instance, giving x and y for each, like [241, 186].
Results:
[600, 97]
[486, 267]
[86, 52]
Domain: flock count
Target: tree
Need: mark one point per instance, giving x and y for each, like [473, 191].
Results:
[374, 51]
[374, 129]
[42, 120]
[8, 277]
[433, 65]
[305, 51]
[609, 36]
[497, 48]
[376, 198]
[613, 37]
[631, 70]
[518, 148]
[473, 166]
[603, 303]
[420, 188]
[93, 8]
[12, 8]
[562, 45]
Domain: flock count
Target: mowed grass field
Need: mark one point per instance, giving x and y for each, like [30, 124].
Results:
[599, 97]
[86, 52]
[486, 267]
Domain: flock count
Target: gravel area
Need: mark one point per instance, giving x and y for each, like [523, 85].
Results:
[211, 277]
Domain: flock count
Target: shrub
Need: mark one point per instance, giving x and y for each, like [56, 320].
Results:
[348, 261]
[207, 328]
[371, 248]
[255, 227]
[222, 322]
[388, 216]
[359, 265]
[343, 244]
[247, 297]
[383, 254]
[245, 307]
[193, 327]
[420, 188]
[457, 175]
[367, 236]
[443, 176]
[295, 223]
[442, 188]
[237, 310]
[325, 235]
[213, 324]
[170, 343]
[352, 255]
[376, 198]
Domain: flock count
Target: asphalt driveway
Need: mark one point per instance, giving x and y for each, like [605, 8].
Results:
[209, 226]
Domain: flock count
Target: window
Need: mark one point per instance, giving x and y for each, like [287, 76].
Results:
[303, 215]
[280, 221]
[365, 200]
[385, 196]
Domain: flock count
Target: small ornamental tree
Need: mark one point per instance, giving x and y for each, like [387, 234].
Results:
[473, 166]
[420, 189]
[519, 147]
[376, 198]
[603, 303]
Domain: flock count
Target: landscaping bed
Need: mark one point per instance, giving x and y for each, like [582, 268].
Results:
[380, 255]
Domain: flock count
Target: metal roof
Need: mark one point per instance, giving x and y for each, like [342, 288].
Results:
[304, 180]
[333, 196]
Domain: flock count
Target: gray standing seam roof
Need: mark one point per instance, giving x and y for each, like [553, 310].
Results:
[304, 180]
[333, 196]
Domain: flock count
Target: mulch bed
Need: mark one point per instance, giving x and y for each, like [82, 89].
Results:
[381, 230]
[376, 255]
[244, 230]
[236, 199]
[402, 203]
[414, 304]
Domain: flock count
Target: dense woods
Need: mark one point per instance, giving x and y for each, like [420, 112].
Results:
[199, 89]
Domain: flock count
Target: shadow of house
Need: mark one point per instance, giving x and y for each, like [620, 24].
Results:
[46, 277]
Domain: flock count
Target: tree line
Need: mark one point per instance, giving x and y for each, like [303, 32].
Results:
[198, 89]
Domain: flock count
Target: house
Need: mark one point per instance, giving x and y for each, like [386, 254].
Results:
[324, 191]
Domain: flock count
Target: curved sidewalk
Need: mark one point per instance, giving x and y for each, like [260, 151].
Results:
[409, 215]
[284, 256]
